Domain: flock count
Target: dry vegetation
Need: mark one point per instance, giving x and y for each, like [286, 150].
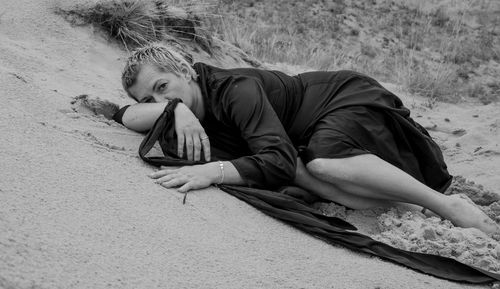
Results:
[135, 23]
[446, 50]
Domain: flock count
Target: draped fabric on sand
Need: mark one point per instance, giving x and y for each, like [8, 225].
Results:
[288, 205]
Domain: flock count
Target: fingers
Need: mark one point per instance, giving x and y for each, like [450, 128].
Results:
[174, 183]
[186, 187]
[169, 168]
[205, 142]
[161, 173]
[194, 145]
[170, 178]
[167, 178]
[185, 178]
[189, 147]
[176, 180]
[196, 148]
[180, 145]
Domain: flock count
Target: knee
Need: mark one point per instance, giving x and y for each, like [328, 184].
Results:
[333, 170]
[316, 166]
[344, 170]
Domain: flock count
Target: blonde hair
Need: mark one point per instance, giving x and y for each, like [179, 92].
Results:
[165, 58]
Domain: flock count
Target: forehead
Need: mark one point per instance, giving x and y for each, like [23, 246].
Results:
[147, 76]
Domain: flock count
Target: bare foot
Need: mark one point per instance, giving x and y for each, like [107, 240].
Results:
[466, 214]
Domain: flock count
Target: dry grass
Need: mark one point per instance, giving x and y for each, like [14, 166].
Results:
[426, 46]
[135, 23]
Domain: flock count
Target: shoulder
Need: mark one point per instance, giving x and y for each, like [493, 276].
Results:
[219, 83]
[339, 76]
[216, 76]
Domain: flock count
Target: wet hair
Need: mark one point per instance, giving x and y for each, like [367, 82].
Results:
[163, 57]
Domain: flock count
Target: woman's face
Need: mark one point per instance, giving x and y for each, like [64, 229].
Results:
[155, 85]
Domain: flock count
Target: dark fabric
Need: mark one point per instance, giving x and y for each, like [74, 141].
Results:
[119, 114]
[245, 130]
[297, 213]
[355, 130]
[318, 112]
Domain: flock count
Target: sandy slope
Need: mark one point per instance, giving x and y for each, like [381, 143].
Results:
[77, 210]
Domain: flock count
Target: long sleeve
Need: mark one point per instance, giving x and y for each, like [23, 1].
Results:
[118, 116]
[273, 163]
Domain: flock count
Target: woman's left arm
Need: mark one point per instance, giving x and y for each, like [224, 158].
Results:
[198, 176]
[273, 159]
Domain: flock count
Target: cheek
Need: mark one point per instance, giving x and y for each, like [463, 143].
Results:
[179, 91]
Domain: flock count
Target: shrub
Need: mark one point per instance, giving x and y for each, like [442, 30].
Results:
[135, 23]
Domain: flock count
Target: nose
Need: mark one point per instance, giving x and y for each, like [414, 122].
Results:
[157, 97]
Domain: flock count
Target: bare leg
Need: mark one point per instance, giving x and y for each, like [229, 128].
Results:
[329, 191]
[368, 176]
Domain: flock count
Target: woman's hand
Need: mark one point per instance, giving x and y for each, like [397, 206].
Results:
[188, 177]
[190, 132]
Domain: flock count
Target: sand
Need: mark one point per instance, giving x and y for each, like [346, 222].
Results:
[77, 210]
[412, 230]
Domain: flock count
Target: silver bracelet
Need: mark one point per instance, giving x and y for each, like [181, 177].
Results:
[221, 167]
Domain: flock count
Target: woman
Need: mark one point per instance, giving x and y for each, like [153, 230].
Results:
[357, 144]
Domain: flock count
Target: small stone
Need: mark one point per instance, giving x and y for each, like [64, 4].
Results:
[446, 252]
[454, 236]
[495, 208]
[478, 243]
[447, 119]
[414, 237]
[465, 256]
[485, 263]
[459, 132]
[387, 222]
[475, 115]
[455, 253]
[429, 234]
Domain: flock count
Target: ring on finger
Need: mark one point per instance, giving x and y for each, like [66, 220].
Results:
[204, 138]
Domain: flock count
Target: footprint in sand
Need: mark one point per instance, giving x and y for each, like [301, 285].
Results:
[101, 111]
[455, 132]
[94, 106]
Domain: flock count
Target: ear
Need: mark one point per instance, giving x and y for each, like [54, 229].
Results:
[185, 72]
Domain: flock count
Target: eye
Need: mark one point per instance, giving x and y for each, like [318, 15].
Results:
[162, 86]
[147, 99]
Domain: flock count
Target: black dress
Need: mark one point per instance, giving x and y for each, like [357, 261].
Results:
[260, 119]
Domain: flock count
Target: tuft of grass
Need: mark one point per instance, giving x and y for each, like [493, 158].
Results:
[136, 23]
